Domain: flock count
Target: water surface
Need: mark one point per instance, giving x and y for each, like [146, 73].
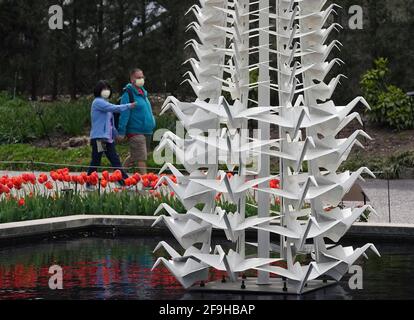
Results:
[120, 268]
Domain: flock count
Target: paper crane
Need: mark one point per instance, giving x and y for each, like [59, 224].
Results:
[231, 223]
[190, 116]
[203, 115]
[186, 229]
[330, 188]
[299, 275]
[232, 262]
[189, 194]
[185, 269]
[235, 186]
[300, 232]
[346, 218]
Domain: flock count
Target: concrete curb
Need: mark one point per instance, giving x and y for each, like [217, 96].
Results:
[142, 225]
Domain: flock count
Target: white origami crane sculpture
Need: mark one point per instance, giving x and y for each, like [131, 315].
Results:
[308, 150]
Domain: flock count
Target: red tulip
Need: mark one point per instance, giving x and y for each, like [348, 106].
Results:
[152, 177]
[116, 176]
[49, 185]
[87, 179]
[54, 175]
[17, 182]
[145, 182]
[32, 178]
[93, 180]
[42, 178]
[63, 172]
[105, 175]
[81, 181]
[104, 184]
[137, 177]
[21, 202]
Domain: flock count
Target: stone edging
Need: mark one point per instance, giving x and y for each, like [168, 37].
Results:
[142, 224]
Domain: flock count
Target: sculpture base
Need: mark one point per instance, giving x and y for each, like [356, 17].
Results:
[276, 286]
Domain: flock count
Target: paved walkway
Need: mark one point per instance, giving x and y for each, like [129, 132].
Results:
[401, 195]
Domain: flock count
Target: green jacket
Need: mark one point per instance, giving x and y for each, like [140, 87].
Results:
[139, 120]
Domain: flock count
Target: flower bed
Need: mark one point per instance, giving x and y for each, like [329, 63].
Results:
[62, 193]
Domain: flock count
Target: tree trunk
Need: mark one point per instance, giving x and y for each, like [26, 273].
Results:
[55, 84]
[33, 87]
[74, 45]
[121, 59]
[99, 46]
[373, 26]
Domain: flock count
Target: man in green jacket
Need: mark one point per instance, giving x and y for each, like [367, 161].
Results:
[138, 123]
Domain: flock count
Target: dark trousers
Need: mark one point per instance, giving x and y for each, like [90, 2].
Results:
[110, 153]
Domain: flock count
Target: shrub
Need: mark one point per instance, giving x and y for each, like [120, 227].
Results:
[17, 121]
[390, 106]
[23, 121]
[398, 162]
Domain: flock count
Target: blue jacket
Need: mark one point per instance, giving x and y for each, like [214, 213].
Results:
[102, 118]
[139, 120]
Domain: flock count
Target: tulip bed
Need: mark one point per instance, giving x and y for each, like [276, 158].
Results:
[62, 193]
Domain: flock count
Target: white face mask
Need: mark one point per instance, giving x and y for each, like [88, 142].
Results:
[140, 82]
[106, 94]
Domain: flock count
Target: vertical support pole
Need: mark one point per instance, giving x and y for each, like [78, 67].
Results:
[212, 173]
[282, 134]
[244, 99]
[263, 237]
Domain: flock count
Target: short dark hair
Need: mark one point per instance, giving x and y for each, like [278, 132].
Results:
[101, 85]
[131, 73]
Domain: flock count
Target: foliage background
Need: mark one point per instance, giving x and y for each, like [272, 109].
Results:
[105, 38]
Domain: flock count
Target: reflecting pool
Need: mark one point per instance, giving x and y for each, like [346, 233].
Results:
[120, 268]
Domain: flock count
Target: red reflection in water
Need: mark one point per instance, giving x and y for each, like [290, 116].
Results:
[23, 281]
[16, 281]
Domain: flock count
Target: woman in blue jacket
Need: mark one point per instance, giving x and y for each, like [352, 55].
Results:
[103, 132]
